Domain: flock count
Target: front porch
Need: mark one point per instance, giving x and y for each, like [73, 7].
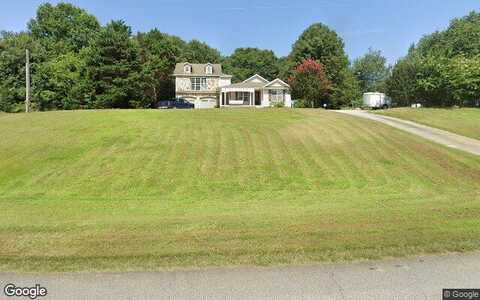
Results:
[240, 98]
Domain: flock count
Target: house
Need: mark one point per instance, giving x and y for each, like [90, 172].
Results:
[206, 86]
[200, 83]
[256, 91]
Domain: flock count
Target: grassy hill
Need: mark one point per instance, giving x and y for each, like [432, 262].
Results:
[465, 121]
[142, 190]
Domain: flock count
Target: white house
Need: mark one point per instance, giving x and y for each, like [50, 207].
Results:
[256, 91]
[205, 85]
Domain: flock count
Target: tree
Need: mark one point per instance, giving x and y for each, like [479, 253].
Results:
[463, 75]
[63, 27]
[246, 62]
[12, 68]
[62, 88]
[462, 37]
[371, 70]
[320, 43]
[348, 92]
[199, 52]
[401, 85]
[432, 81]
[309, 82]
[158, 54]
[112, 68]
[440, 70]
[285, 67]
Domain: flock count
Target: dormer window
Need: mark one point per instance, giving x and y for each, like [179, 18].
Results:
[209, 69]
[187, 69]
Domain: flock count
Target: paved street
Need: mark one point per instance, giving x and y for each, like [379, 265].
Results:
[414, 278]
[443, 137]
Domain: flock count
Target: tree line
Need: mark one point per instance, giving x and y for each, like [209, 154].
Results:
[442, 69]
[79, 64]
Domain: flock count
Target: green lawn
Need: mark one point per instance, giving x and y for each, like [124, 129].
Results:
[144, 190]
[465, 121]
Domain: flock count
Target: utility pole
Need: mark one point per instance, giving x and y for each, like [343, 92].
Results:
[27, 75]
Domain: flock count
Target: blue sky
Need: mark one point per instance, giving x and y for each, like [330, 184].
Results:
[387, 25]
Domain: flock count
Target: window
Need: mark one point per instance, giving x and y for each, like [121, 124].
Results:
[187, 69]
[209, 69]
[243, 96]
[199, 83]
[277, 96]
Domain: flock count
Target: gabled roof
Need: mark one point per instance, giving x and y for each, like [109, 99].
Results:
[198, 69]
[277, 82]
[256, 78]
[258, 82]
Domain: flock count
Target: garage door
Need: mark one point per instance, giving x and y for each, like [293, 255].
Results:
[205, 103]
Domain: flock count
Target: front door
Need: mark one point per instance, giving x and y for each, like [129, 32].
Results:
[258, 98]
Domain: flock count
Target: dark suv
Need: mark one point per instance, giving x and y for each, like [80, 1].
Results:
[178, 103]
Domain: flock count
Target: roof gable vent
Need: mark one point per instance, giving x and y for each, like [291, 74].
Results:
[187, 68]
[209, 69]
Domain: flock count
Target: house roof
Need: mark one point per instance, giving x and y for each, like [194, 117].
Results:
[277, 82]
[246, 85]
[257, 81]
[198, 69]
[256, 78]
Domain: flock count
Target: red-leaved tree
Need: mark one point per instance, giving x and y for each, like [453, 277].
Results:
[309, 83]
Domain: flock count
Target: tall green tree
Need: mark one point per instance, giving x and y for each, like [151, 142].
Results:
[463, 75]
[433, 71]
[462, 37]
[112, 68]
[12, 68]
[63, 27]
[322, 44]
[348, 92]
[402, 85]
[285, 67]
[59, 83]
[246, 62]
[158, 54]
[371, 70]
[199, 52]
[432, 81]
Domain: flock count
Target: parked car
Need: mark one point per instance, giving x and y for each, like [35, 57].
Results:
[178, 103]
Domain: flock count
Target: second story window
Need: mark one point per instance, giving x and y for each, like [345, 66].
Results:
[188, 69]
[198, 83]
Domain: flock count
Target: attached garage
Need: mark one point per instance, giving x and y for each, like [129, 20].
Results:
[205, 103]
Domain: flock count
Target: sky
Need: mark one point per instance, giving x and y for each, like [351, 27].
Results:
[387, 25]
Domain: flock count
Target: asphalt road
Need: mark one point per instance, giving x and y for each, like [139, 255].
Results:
[415, 278]
[439, 136]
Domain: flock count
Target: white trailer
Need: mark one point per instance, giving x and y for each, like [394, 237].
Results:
[375, 100]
